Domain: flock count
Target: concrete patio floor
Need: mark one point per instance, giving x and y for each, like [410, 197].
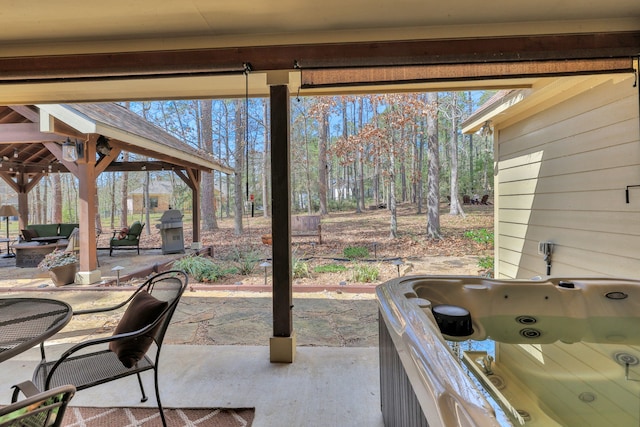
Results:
[216, 350]
[325, 386]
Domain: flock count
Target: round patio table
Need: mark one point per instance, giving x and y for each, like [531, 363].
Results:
[26, 322]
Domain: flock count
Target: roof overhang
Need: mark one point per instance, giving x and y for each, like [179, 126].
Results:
[508, 106]
[134, 142]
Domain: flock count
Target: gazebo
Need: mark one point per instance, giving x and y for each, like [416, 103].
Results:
[31, 145]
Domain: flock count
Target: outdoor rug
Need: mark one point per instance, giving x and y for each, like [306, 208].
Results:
[150, 417]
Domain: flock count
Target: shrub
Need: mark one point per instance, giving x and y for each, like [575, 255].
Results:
[330, 268]
[481, 236]
[355, 252]
[365, 273]
[246, 259]
[486, 263]
[57, 258]
[300, 269]
[203, 269]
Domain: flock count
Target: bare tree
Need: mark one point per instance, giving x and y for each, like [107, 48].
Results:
[238, 169]
[124, 194]
[433, 170]
[112, 200]
[359, 159]
[391, 170]
[455, 207]
[206, 143]
[322, 161]
[57, 200]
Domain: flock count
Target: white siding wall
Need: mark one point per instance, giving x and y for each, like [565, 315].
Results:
[561, 176]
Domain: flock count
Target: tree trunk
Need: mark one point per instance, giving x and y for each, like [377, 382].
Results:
[433, 170]
[147, 211]
[57, 202]
[208, 209]
[124, 194]
[308, 168]
[359, 159]
[239, 167]
[392, 197]
[322, 162]
[419, 162]
[112, 202]
[228, 155]
[456, 208]
[403, 169]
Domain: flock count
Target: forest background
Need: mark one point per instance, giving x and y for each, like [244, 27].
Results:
[348, 153]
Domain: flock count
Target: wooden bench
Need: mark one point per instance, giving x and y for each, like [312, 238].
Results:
[306, 225]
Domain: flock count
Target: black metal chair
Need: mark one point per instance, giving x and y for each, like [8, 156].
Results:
[101, 360]
[39, 409]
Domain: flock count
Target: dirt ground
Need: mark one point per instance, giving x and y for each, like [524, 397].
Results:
[369, 229]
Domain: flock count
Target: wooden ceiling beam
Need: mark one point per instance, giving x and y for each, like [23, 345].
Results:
[316, 78]
[140, 166]
[119, 65]
[25, 133]
[26, 112]
[35, 156]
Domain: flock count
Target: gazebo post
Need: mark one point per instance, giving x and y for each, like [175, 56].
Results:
[195, 176]
[89, 273]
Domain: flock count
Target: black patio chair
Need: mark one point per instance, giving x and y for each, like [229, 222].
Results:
[101, 360]
[39, 409]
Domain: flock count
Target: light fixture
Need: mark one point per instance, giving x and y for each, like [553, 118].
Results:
[69, 151]
[7, 211]
[265, 265]
[117, 269]
[72, 151]
[398, 263]
[15, 153]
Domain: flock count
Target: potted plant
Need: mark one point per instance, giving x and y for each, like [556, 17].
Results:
[62, 266]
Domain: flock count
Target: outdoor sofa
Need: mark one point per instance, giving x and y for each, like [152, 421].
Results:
[29, 253]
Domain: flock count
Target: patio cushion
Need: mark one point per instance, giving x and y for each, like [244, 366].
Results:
[142, 311]
[27, 235]
[67, 229]
[134, 231]
[44, 230]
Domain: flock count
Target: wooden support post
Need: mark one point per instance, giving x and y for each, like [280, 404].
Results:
[89, 273]
[195, 176]
[282, 343]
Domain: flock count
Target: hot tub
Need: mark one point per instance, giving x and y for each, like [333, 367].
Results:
[471, 351]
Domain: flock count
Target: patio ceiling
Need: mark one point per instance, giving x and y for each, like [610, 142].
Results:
[78, 51]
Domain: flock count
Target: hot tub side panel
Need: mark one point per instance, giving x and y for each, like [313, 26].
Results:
[399, 404]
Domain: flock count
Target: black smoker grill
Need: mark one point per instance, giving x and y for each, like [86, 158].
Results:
[171, 231]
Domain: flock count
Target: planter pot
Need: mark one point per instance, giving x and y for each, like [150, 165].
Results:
[64, 274]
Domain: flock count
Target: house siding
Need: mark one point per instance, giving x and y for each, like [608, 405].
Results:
[561, 174]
